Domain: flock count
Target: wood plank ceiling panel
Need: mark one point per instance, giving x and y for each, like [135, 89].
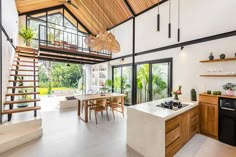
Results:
[141, 5]
[30, 5]
[98, 14]
[94, 14]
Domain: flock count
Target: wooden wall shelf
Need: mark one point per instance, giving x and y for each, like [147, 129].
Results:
[217, 75]
[218, 60]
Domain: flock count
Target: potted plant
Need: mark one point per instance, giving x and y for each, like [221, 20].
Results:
[27, 34]
[22, 91]
[211, 57]
[229, 88]
[108, 85]
[177, 93]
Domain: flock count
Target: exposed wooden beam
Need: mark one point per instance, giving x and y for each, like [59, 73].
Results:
[62, 60]
[73, 53]
[70, 57]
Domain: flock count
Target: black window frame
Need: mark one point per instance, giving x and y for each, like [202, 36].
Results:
[150, 62]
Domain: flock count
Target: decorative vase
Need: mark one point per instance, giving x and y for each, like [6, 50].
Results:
[193, 95]
[211, 57]
[222, 56]
[229, 92]
[22, 105]
[176, 97]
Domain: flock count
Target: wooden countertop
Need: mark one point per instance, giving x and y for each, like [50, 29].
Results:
[219, 96]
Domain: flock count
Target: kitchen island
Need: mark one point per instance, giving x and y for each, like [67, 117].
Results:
[158, 132]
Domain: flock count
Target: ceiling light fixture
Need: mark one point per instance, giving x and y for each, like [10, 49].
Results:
[169, 25]
[158, 18]
[178, 31]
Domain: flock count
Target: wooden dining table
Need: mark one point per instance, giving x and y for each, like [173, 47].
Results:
[84, 99]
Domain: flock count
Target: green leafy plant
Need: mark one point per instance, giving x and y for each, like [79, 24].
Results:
[108, 84]
[27, 34]
[229, 86]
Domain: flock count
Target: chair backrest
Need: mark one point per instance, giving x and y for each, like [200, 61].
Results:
[116, 100]
[101, 102]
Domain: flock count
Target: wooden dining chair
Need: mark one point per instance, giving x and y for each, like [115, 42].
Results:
[98, 105]
[116, 104]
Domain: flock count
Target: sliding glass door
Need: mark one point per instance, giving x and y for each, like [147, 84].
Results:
[153, 80]
[142, 83]
[160, 80]
[117, 80]
[122, 81]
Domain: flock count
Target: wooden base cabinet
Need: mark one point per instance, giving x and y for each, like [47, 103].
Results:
[208, 111]
[179, 130]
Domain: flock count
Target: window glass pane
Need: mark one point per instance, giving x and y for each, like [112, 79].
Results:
[142, 83]
[41, 16]
[117, 80]
[70, 22]
[160, 74]
[34, 24]
[55, 17]
[126, 83]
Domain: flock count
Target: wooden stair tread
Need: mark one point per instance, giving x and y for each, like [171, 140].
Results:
[17, 94]
[24, 61]
[23, 70]
[26, 52]
[23, 81]
[25, 65]
[22, 75]
[28, 49]
[20, 101]
[9, 87]
[26, 57]
[21, 110]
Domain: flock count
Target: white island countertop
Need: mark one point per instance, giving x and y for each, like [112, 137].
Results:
[164, 113]
[146, 126]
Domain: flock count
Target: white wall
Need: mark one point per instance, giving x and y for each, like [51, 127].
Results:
[123, 35]
[199, 18]
[10, 23]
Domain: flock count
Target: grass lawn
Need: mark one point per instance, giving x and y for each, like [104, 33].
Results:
[44, 91]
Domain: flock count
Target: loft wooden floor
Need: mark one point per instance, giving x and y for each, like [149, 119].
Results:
[66, 136]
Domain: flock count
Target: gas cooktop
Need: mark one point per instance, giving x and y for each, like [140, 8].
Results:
[172, 105]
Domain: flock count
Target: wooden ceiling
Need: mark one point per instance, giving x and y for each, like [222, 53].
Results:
[93, 14]
[140, 5]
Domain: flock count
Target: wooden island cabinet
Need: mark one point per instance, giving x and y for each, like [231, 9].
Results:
[180, 129]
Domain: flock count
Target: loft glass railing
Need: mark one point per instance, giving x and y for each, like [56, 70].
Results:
[63, 38]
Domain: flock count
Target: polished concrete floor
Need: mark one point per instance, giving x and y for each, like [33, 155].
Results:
[67, 136]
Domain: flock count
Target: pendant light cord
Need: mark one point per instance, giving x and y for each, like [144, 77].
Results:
[178, 13]
[169, 10]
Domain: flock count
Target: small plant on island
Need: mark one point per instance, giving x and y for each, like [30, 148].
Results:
[177, 93]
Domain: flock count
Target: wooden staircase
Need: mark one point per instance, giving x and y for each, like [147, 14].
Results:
[23, 82]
